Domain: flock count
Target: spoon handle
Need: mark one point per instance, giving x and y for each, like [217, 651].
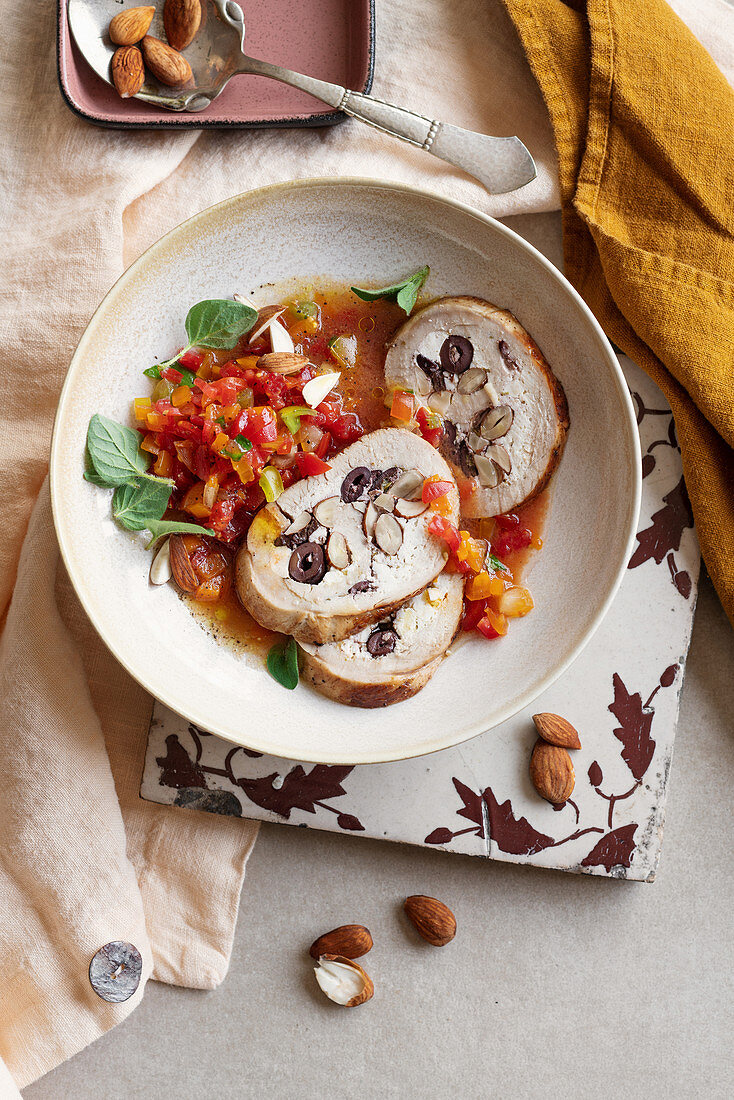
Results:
[501, 164]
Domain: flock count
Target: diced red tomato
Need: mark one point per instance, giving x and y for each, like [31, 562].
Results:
[444, 530]
[310, 464]
[433, 488]
[430, 425]
[473, 612]
[191, 360]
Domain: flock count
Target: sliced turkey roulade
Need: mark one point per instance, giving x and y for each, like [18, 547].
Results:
[505, 413]
[393, 658]
[343, 549]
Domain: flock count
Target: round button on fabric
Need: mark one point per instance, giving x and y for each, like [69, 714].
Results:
[114, 972]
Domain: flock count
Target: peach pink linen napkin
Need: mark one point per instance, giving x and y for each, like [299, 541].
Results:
[82, 859]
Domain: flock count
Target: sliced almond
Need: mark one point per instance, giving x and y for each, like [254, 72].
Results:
[326, 511]
[265, 317]
[409, 509]
[301, 521]
[407, 485]
[492, 394]
[385, 502]
[338, 551]
[316, 390]
[280, 337]
[489, 474]
[160, 567]
[371, 516]
[499, 455]
[496, 422]
[282, 362]
[360, 506]
[476, 443]
[440, 402]
[343, 980]
[388, 534]
[472, 380]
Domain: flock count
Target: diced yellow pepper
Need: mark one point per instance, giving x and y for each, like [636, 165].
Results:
[220, 442]
[482, 586]
[141, 408]
[180, 396]
[150, 444]
[163, 465]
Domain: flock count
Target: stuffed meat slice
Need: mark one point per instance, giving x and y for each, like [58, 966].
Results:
[505, 413]
[343, 549]
[393, 658]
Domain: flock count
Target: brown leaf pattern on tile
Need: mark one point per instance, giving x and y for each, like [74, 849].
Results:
[515, 835]
[613, 850]
[666, 529]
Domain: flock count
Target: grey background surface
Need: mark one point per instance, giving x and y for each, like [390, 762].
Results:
[555, 984]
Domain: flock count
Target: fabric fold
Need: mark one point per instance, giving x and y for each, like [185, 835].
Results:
[644, 128]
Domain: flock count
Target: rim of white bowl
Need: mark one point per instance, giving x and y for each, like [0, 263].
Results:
[438, 743]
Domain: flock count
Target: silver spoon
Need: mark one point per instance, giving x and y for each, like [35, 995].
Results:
[217, 54]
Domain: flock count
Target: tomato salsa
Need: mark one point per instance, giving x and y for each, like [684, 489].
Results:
[232, 435]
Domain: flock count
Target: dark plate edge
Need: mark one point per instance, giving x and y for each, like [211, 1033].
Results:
[327, 118]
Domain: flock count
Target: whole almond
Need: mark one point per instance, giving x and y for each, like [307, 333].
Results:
[128, 27]
[181, 567]
[350, 940]
[282, 362]
[128, 73]
[433, 920]
[181, 20]
[557, 731]
[552, 772]
[165, 63]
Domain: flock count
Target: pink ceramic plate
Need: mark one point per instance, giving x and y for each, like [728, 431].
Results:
[329, 39]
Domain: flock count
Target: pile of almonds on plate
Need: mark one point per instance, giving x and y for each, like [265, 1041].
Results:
[551, 768]
[342, 979]
[138, 49]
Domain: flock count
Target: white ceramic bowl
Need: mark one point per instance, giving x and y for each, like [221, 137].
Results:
[358, 231]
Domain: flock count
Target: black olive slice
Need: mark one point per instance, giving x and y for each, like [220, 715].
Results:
[433, 370]
[508, 358]
[466, 459]
[456, 354]
[307, 563]
[361, 586]
[356, 484]
[381, 641]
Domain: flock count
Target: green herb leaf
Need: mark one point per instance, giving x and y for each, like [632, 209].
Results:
[496, 564]
[89, 475]
[114, 451]
[282, 662]
[218, 323]
[243, 443]
[141, 502]
[187, 378]
[404, 293]
[153, 372]
[159, 527]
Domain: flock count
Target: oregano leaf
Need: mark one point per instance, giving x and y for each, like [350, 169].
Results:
[114, 451]
[218, 323]
[141, 502]
[405, 293]
[159, 527]
[282, 662]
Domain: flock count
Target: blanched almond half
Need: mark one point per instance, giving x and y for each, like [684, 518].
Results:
[280, 337]
[160, 567]
[343, 980]
[317, 389]
[472, 380]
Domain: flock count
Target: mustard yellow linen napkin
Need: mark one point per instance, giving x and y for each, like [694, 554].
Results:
[644, 128]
